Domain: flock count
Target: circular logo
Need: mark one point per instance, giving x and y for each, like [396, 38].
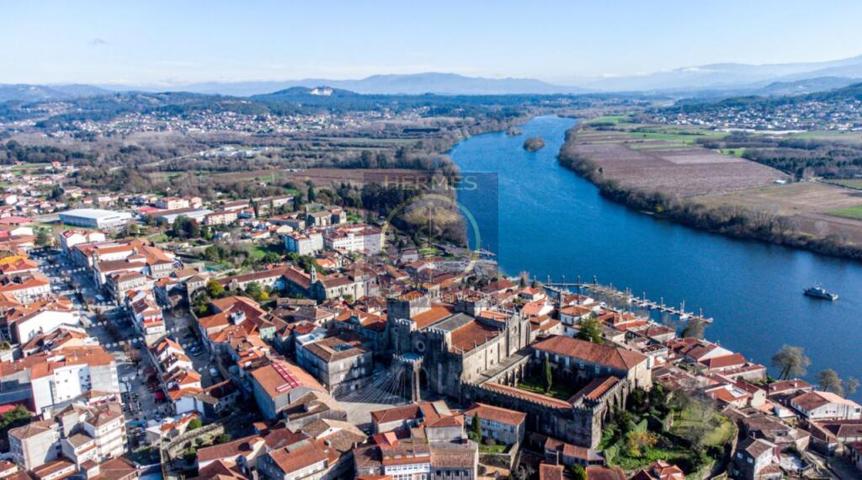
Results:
[436, 221]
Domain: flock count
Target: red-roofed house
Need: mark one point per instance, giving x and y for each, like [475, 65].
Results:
[591, 360]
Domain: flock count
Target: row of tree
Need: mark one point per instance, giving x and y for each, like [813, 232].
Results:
[792, 362]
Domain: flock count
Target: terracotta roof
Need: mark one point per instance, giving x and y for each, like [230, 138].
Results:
[53, 468]
[725, 361]
[229, 450]
[812, 400]
[43, 364]
[405, 412]
[550, 472]
[528, 396]
[447, 421]
[472, 334]
[281, 377]
[496, 414]
[594, 390]
[595, 472]
[32, 429]
[606, 355]
[432, 316]
[292, 460]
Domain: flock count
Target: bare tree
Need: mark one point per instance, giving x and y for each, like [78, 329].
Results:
[791, 361]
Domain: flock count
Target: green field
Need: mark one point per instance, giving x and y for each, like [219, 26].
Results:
[492, 448]
[684, 136]
[733, 152]
[831, 136]
[614, 119]
[849, 212]
[559, 389]
[848, 182]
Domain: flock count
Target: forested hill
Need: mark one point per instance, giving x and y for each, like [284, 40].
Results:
[296, 100]
[846, 94]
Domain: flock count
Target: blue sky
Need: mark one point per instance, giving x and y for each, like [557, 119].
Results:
[156, 42]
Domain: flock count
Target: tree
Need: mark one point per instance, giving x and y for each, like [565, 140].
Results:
[13, 418]
[476, 428]
[223, 438]
[578, 472]
[851, 385]
[43, 237]
[791, 361]
[694, 328]
[590, 330]
[214, 289]
[549, 375]
[56, 193]
[312, 195]
[638, 441]
[185, 228]
[254, 291]
[195, 424]
[829, 381]
[214, 253]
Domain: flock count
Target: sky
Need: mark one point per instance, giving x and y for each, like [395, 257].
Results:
[155, 42]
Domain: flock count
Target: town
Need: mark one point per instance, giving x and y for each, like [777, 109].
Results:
[283, 337]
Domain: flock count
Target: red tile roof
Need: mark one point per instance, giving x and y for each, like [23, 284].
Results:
[605, 355]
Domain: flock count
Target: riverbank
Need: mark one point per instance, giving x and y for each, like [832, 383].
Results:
[676, 184]
[538, 216]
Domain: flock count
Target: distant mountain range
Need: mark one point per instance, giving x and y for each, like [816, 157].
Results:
[409, 84]
[715, 80]
[37, 93]
[727, 76]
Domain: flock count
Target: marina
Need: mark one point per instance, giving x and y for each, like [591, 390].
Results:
[626, 300]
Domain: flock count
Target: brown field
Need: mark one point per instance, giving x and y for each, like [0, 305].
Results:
[808, 205]
[671, 167]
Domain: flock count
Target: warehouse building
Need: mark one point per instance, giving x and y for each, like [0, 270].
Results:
[95, 218]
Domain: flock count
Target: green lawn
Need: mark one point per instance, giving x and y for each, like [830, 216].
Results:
[492, 448]
[158, 238]
[428, 251]
[829, 135]
[559, 389]
[650, 455]
[720, 429]
[849, 212]
[672, 134]
[615, 119]
[848, 182]
[733, 152]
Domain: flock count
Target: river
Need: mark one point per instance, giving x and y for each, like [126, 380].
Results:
[540, 217]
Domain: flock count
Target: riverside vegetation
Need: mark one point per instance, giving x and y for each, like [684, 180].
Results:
[719, 211]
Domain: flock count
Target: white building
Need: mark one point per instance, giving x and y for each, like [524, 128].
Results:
[303, 243]
[93, 433]
[56, 378]
[826, 406]
[95, 218]
[70, 238]
[355, 238]
[43, 321]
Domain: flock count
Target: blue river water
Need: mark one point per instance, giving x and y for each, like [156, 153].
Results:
[540, 217]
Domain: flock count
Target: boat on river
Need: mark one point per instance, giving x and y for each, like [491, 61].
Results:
[821, 293]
